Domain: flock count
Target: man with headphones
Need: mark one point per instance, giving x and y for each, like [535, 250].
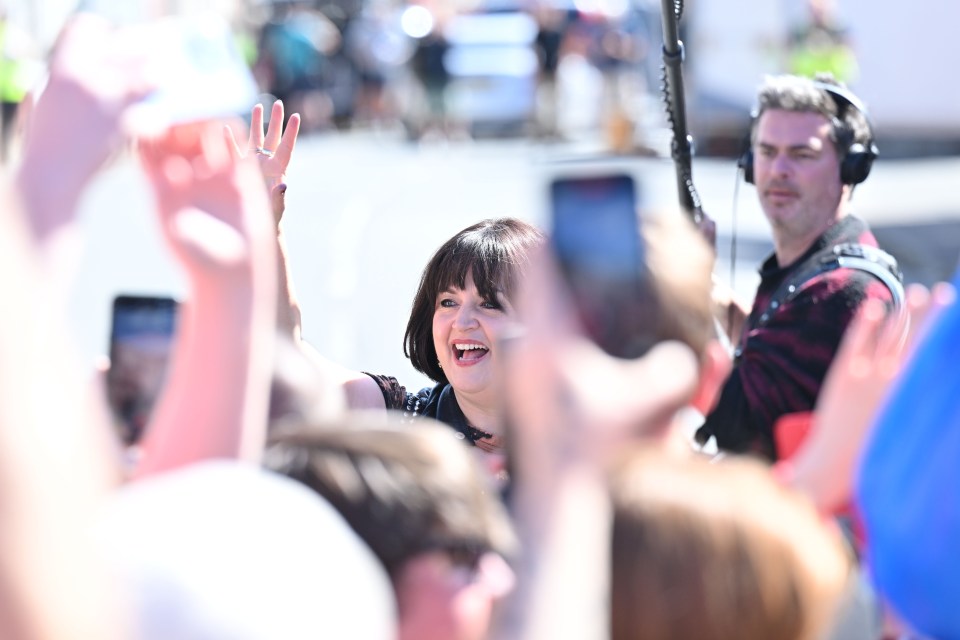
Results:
[810, 144]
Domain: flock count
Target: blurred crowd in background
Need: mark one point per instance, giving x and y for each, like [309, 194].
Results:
[548, 69]
[461, 69]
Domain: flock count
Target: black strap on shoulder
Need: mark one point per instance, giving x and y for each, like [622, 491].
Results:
[850, 255]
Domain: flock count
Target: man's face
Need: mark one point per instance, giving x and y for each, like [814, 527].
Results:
[797, 172]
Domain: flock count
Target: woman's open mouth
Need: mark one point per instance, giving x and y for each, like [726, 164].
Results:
[467, 353]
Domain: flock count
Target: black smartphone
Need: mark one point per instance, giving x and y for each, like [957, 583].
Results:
[597, 241]
[141, 335]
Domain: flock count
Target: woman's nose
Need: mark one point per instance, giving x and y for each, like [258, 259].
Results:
[466, 316]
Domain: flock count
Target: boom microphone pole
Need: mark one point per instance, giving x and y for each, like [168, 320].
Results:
[673, 98]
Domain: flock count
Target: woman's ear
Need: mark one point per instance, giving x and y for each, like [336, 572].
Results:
[714, 370]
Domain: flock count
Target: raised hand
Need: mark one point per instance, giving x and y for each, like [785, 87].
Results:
[571, 408]
[272, 150]
[211, 208]
[870, 358]
[215, 216]
[567, 396]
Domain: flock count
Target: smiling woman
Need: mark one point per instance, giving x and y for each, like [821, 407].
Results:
[461, 310]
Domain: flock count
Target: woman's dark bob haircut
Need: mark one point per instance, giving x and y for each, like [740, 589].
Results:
[494, 251]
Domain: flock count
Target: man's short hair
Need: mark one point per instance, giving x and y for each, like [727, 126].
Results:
[801, 94]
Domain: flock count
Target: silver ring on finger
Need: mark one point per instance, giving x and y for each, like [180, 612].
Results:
[263, 152]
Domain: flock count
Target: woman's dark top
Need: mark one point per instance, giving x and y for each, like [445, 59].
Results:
[438, 402]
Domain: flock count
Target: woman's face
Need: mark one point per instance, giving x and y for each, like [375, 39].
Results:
[466, 331]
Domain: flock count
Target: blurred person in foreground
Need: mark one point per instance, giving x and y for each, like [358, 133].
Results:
[55, 455]
[54, 584]
[811, 144]
[57, 478]
[906, 484]
[718, 551]
[576, 417]
[223, 549]
[425, 508]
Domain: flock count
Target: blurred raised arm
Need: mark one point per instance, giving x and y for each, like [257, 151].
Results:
[571, 408]
[77, 122]
[55, 464]
[216, 218]
[273, 152]
[874, 350]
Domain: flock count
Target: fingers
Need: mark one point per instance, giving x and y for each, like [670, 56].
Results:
[255, 140]
[923, 306]
[284, 150]
[272, 140]
[902, 334]
[942, 295]
[861, 337]
[231, 141]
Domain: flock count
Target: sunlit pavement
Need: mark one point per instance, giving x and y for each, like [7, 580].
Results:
[366, 210]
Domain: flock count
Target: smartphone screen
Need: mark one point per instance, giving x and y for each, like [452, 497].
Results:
[597, 241]
[140, 340]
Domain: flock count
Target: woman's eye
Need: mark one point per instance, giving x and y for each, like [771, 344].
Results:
[486, 304]
[447, 302]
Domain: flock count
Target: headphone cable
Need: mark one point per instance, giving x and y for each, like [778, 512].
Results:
[733, 257]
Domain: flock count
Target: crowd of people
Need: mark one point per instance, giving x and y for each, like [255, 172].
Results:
[541, 488]
[392, 63]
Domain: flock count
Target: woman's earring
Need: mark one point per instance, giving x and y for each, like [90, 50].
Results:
[438, 363]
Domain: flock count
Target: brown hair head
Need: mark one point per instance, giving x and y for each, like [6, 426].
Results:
[718, 552]
[404, 490]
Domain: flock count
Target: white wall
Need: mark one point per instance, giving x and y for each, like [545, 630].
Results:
[907, 54]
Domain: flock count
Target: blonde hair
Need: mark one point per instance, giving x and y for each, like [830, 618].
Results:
[717, 552]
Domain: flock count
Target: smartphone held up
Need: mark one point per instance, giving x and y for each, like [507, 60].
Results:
[141, 336]
[597, 241]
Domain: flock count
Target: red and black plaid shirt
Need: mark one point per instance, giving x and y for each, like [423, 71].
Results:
[784, 361]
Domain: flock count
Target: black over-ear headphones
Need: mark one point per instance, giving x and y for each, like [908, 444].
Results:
[856, 162]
